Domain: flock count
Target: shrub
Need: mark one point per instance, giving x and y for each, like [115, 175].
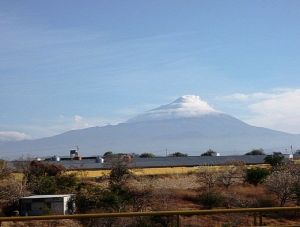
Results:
[234, 200]
[211, 199]
[114, 198]
[88, 198]
[256, 176]
[275, 159]
[264, 202]
[43, 185]
[67, 183]
[119, 173]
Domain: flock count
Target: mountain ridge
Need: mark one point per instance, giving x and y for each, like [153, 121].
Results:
[183, 131]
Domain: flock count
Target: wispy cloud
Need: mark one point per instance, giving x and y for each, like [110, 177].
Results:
[6, 136]
[45, 128]
[278, 109]
[252, 97]
[280, 112]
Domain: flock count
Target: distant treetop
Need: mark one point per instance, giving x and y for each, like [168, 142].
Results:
[147, 155]
[108, 154]
[256, 152]
[276, 159]
[209, 152]
[178, 154]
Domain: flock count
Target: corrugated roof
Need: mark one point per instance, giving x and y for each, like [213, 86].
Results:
[46, 196]
[165, 161]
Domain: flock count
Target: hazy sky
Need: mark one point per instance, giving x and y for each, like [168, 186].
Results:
[73, 64]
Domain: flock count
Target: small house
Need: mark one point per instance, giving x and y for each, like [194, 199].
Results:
[46, 204]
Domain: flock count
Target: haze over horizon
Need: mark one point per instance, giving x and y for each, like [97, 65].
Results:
[82, 64]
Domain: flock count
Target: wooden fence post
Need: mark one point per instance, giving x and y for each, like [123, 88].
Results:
[260, 219]
[178, 221]
[254, 219]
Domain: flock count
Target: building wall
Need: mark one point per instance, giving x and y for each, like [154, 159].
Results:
[157, 170]
[44, 206]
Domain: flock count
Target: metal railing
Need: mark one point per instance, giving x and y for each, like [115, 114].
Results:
[257, 214]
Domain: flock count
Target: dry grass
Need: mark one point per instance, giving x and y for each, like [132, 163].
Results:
[59, 223]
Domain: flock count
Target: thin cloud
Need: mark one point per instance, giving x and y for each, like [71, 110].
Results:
[277, 109]
[281, 112]
[61, 124]
[6, 136]
[243, 97]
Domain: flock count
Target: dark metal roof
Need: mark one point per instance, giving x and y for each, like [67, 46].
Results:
[137, 162]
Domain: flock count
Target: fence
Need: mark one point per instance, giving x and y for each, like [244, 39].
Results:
[257, 214]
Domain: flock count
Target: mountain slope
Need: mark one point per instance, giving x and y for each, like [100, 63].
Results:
[180, 126]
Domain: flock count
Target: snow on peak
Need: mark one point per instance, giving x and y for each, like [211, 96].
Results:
[183, 107]
[191, 103]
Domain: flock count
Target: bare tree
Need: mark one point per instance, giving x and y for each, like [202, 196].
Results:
[281, 183]
[231, 173]
[12, 189]
[208, 179]
[5, 171]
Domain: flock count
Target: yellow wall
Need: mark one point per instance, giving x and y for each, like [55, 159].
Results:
[158, 171]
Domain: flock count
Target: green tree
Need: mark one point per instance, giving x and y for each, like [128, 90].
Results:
[43, 185]
[147, 155]
[45, 178]
[178, 154]
[256, 152]
[114, 198]
[256, 176]
[108, 154]
[209, 152]
[67, 183]
[276, 159]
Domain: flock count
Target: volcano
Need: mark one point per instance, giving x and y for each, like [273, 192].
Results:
[188, 124]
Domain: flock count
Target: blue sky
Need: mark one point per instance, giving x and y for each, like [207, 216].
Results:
[73, 64]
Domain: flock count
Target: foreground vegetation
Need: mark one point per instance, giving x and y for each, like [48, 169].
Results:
[233, 186]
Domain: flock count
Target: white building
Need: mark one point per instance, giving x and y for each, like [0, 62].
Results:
[46, 204]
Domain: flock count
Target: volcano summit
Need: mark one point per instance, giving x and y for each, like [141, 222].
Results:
[188, 125]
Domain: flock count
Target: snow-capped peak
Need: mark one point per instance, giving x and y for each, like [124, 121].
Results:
[183, 107]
